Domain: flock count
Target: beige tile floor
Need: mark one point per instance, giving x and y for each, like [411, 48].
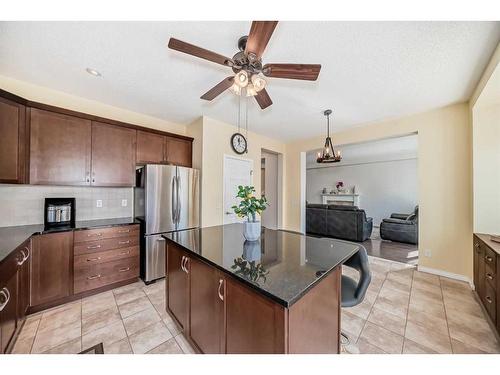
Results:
[404, 311]
[407, 311]
[130, 319]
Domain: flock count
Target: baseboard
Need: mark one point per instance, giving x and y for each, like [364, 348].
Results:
[449, 275]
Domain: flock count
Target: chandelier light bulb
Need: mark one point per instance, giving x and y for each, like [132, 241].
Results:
[251, 91]
[241, 79]
[259, 83]
[236, 89]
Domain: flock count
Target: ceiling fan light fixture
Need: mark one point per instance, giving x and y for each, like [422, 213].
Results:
[241, 78]
[250, 90]
[259, 83]
[235, 89]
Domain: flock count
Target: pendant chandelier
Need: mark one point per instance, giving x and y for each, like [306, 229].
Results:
[328, 154]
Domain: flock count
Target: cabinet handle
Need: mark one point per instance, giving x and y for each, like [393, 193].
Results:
[488, 298]
[489, 276]
[123, 242]
[28, 253]
[93, 259]
[221, 295]
[6, 294]
[94, 234]
[476, 245]
[94, 247]
[124, 269]
[125, 252]
[124, 231]
[185, 265]
[93, 277]
[182, 263]
[488, 258]
[22, 258]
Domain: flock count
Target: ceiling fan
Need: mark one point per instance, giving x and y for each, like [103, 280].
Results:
[247, 65]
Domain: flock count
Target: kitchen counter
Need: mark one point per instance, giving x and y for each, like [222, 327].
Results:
[12, 237]
[493, 245]
[288, 263]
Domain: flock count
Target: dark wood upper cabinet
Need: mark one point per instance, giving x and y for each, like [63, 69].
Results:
[179, 151]
[59, 149]
[206, 305]
[177, 286]
[150, 148]
[51, 267]
[12, 142]
[113, 155]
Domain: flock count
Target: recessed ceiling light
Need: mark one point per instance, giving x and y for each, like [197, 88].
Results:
[93, 72]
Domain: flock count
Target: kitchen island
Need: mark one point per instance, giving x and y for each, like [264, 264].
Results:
[280, 294]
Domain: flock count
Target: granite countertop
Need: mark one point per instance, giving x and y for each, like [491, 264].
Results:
[12, 237]
[486, 238]
[284, 263]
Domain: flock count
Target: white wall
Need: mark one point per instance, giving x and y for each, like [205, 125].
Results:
[384, 187]
[24, 204]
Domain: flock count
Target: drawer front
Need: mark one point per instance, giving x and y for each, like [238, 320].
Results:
[98, 275]
[490, 302]
[103, 233]
[106, 244]
[106, 256]
[490, 258]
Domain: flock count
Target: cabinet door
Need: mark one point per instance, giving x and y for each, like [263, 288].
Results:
[177, 285]
[12, 142]
[113, 155]
[24, 282]
[253, 323]
[52, 271]
[206, 307]
[179, 151]
[8, 315]
[150, 147]
[59, 149]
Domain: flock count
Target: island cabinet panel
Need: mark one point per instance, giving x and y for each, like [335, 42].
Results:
[113, 155]
[60, 149]
[8, 313]
[254, 324]
[206, 307]
[150, 148]
[52, 267]
[177, 286]
[179, 151]
[318, 305]
[12, 142]
[24, 279]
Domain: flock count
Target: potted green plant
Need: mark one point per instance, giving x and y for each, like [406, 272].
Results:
[250, 207]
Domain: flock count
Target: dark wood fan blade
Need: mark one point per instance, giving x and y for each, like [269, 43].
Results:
[307, 72]
[202, 53]
[263, 99]
[218, 89]
[259, 36]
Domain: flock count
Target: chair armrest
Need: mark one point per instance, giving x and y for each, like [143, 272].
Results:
[398, 221]
[399, 216]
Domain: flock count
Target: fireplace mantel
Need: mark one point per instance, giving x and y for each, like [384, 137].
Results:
[352, 199]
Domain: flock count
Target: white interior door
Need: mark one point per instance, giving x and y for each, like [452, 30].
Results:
[237, 171]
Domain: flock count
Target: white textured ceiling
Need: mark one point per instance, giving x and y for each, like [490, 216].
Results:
[371, 70]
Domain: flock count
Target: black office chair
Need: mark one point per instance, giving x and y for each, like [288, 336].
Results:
[352, 292]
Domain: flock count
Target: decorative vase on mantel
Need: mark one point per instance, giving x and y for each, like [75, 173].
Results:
[249, 207]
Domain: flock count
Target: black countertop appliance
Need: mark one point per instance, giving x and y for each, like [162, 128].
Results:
[59, 213]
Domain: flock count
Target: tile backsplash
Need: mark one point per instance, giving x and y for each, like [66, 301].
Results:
[24, 204]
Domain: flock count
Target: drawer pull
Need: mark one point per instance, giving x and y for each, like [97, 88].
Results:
[476, 245]
[124, 269]
[93, 277]
[93, 259]
[123, 242]
[125, 252]
[94, 234]
[124, 231]
[488, 298]
[21, 258]
[221, 284]
[93, 247]
[488, 258]
[489, 276]
[6, 295]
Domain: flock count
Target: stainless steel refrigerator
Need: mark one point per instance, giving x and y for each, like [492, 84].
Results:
[166, 199]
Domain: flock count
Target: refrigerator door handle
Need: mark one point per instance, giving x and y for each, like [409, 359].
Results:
[173, 207]
[178, 200]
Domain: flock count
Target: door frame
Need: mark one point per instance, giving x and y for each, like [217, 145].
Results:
[239, 158]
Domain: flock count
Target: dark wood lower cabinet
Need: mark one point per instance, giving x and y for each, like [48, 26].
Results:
[52, 267]
[8, 313]
[24, 299]
[220, 314]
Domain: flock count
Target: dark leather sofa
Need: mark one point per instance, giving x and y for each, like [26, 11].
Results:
[401, 228]
[344, 222]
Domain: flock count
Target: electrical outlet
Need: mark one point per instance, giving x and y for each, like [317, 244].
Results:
[124, 203]
[428, 253]
[98, 203]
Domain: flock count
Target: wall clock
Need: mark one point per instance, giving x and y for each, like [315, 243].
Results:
[239, 143]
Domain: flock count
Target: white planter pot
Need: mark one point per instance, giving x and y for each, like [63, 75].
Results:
[251, 231]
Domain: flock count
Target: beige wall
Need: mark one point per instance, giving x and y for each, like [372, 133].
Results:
[215, 143]
[60, 99]
[444, 181]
